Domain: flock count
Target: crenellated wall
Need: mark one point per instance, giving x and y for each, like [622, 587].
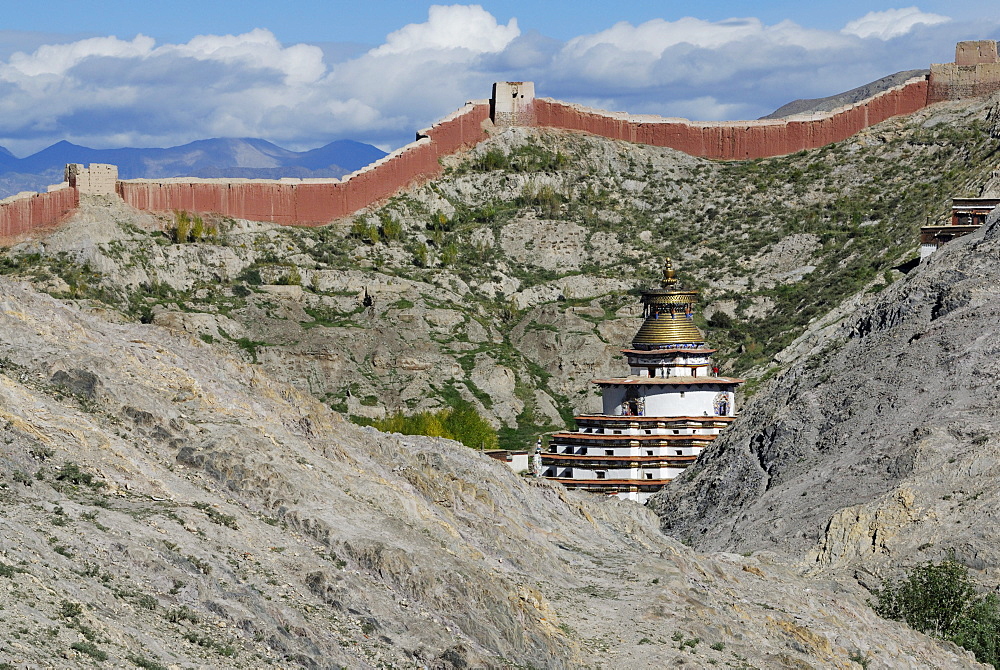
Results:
[25, 212]
[737, 140]
[311, 202]
[314, 202]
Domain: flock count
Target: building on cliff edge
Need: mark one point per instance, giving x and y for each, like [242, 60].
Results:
[657, 420]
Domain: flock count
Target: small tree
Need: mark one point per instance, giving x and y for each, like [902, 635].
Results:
[420, 255]
[940, 599]
[449, 254]
[182, 227]
[391, 228]
[197, 229]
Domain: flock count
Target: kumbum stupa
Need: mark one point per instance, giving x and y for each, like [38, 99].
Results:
[657, 420]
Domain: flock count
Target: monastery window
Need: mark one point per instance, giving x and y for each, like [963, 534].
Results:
[677, 432]
[649, 475]
[617, 432]
[583, 450]
[652, 372]
[609, 452]
[649, 432]
[680, 453]
[682, 394]
[694, 372]
[600, 474]
[649, 452]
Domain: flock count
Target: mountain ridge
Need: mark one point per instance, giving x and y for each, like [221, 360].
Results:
[250, 158]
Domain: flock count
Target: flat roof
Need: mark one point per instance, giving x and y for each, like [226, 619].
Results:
[625, 417]
[610, 482]
[640, 438]
[598, 457]
[671, 350]
[668, 381]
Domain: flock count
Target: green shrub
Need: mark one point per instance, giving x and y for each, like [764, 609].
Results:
[70, 472]
[940, 599]
[462, 423]
[90, 649]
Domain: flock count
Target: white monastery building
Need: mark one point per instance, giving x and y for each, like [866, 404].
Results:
[657, 420]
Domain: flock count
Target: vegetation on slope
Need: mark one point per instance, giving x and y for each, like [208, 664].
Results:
[940, 599]
[526, 258]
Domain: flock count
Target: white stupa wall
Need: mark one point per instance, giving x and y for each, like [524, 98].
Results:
[667, 401]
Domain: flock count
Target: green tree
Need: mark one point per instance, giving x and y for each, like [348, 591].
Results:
[467, 426]
[462, 423]
[420, 255]
[449, 254]
[182, 227]
[197, 229]
[940, 599]
[391, 228]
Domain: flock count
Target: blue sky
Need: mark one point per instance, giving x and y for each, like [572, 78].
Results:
[113, 73]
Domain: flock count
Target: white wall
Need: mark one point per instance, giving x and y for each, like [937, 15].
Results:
[667, 400]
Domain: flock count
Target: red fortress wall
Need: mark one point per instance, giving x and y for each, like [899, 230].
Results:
[737, 140]
[316, 202]
[20, 215]
[976, 71]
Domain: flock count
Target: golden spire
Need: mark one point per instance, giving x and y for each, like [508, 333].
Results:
[669, 276]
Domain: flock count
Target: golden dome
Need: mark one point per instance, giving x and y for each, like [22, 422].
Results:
[669, 315]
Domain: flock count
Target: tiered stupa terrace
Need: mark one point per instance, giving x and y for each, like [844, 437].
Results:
[659, 418]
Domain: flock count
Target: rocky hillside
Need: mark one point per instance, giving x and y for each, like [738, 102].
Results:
[878, 447]
[167, 505]
[511, 282]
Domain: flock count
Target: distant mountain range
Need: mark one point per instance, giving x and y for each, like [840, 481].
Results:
[220, 157]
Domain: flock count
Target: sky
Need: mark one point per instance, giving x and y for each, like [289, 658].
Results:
[108, 73]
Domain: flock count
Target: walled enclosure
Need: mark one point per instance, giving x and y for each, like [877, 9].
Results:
[312, 202]
[25, 212]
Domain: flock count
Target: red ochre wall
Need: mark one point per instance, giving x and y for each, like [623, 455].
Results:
[317, 203]
[36, 211]
[314, 204]
[737, 140]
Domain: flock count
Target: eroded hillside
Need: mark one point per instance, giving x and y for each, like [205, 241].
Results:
[878, 449]
[165, 505]
[510, 282]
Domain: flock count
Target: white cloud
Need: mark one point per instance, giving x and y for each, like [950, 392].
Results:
[257, 49]
[452, 27]
[891, 23]
[58, 58]
[107, 91]
[656, 36]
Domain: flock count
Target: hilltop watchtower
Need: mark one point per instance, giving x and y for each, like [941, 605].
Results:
[513, 103]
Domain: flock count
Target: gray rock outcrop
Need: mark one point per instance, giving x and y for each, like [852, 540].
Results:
[878, 448]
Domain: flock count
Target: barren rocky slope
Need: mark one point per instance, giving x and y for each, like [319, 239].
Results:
[510, 282]
[878, 448]
[165, 505]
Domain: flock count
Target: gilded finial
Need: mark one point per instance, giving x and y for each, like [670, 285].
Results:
[669, 276]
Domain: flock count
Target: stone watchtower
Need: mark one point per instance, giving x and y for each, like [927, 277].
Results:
[513, 103]
[975, 72]
[98, 179]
